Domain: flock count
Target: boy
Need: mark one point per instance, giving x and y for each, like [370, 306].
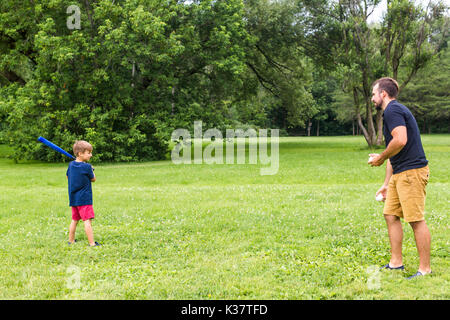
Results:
[80, 174]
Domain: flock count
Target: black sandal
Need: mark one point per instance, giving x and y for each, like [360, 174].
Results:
[390, 268]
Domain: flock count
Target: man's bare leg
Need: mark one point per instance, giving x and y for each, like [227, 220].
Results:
[423, 243]
[395, 232]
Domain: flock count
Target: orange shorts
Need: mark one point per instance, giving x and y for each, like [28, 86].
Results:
[406, 194]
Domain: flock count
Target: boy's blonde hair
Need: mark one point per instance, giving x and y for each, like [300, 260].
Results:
[81, 146]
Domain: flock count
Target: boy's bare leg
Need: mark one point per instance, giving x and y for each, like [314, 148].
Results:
[423, 243]
[72, 229]
[89, 232]
[395, 233]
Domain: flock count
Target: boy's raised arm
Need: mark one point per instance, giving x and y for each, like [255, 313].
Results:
[93, 174]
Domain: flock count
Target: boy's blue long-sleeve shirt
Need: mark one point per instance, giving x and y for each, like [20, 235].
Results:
[79, 176]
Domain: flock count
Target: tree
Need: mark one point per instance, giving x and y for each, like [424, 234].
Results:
[409, 44]
[359, 57]
[276, 61]
[133, 72]
[322, 90]
[427, 95]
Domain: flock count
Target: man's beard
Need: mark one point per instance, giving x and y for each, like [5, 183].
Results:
[378, 106]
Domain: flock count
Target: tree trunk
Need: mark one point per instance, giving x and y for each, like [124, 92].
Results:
[370, 126]
[379, 128]
[363, 130]
[318, 126]
[369, 133]
[133, 70]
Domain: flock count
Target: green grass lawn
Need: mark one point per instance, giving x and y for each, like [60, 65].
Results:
[312, 231]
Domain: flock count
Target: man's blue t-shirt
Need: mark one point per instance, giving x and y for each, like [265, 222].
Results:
[412, 156]
[79, 175]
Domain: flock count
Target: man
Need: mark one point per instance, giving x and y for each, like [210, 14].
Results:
[406, 177]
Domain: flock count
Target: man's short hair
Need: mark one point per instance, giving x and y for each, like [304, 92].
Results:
[81, 146]
[387, 84]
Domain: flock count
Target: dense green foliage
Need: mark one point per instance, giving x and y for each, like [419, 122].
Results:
[428, 95]
[135, 70]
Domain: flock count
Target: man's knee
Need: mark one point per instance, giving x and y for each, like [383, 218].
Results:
[391, 218]
[418, 224]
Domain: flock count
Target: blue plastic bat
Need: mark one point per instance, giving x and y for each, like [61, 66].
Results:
[55, 147]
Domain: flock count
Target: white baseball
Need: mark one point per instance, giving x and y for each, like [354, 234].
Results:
[371, 158]
[379, 197]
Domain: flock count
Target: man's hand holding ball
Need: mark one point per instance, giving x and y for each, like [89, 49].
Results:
[381, 194]
[375, 160]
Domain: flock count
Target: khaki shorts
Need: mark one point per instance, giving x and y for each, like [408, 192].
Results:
[406, 194]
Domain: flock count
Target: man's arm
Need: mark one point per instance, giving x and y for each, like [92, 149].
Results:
[384, 187]
[399, 139]
[389, 172]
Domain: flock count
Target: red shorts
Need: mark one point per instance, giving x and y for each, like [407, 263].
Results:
[83, 213]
